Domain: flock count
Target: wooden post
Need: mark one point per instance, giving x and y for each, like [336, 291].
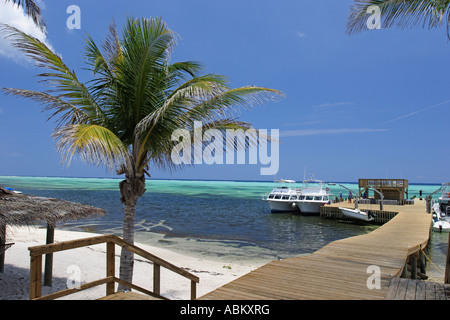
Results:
[193, 290]
[404, 271]
[156, 278]
[110, 266]
[447, 264]
[413, 267]
[35, 276]
[2, 247]
[422, 262]
[48, 269]
[428, 203]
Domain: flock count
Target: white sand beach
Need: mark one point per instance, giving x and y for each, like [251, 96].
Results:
[89, 262]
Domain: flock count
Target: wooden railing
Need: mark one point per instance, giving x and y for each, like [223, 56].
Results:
[110, 279]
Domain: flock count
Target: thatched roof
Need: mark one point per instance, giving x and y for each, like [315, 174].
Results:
[22, 209]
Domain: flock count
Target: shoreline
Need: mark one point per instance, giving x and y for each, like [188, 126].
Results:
[89, 263]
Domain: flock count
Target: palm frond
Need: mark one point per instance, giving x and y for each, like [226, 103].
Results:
[140, 88]
[33, 11]
[93, 143]
[208, 101]
[230, 102]
[111, 45]
[65, 112]
[182, 99]
[233, 135]
[63, 80]
[400, 13]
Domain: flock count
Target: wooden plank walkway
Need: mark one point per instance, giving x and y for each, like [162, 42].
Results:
[408, 289]
[340, 270]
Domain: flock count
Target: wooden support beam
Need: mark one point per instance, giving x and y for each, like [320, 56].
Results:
[48, 268]
[2, 246]
[156, 278]
[35, 276]
[447, 264]
[193, 290]
[422, 262]
[110, 266]
[82, 287]
[413, 267]
[404, 271]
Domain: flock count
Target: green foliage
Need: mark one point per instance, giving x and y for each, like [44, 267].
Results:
[401, 13]
[125, 115]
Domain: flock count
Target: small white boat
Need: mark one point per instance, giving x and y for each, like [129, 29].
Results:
[442, 206]
[312, 196]
[441, 226]
[12, 190]
[282, 197]
[357, 214]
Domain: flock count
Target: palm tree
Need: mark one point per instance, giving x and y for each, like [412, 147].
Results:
[124, 117]
[400, 13]
[33, 11]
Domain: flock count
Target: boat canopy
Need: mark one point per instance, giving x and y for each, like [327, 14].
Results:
[285, 181]
[445, 190]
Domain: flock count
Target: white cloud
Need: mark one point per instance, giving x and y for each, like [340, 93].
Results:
[300, 34]
[15, 16]
[313, 132]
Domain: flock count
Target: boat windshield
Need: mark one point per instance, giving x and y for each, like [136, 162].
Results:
[288, 184]
[312, 184]
[445, 190]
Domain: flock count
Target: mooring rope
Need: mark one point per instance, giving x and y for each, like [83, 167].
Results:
[430, 260]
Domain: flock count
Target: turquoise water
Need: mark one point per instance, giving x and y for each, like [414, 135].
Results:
[214, 219]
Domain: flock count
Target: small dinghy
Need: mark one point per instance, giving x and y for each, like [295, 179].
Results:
[441, 226]
[12, 190]
[357, 214]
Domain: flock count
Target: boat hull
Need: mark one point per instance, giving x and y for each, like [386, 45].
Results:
[356, 214]
[281, 206]
[309, 208]
[441, 226]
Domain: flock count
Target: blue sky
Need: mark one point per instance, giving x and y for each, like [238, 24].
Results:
[371, 105]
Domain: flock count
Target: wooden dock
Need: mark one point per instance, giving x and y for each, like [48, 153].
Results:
[346, 269]
[408, 289]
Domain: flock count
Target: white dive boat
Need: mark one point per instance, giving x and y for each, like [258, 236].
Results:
[357, 214]
[282, 197]
[312, 196]
[442, 206]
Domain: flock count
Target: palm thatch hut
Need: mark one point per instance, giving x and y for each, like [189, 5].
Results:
[21, 209]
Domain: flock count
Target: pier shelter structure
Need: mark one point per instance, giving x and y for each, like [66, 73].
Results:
[392, 189]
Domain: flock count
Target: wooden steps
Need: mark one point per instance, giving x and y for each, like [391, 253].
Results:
[128, 296]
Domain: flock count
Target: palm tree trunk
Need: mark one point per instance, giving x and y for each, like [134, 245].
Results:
[127, 257]
[130, 189]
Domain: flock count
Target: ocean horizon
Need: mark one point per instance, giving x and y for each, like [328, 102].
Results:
[192, 179]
